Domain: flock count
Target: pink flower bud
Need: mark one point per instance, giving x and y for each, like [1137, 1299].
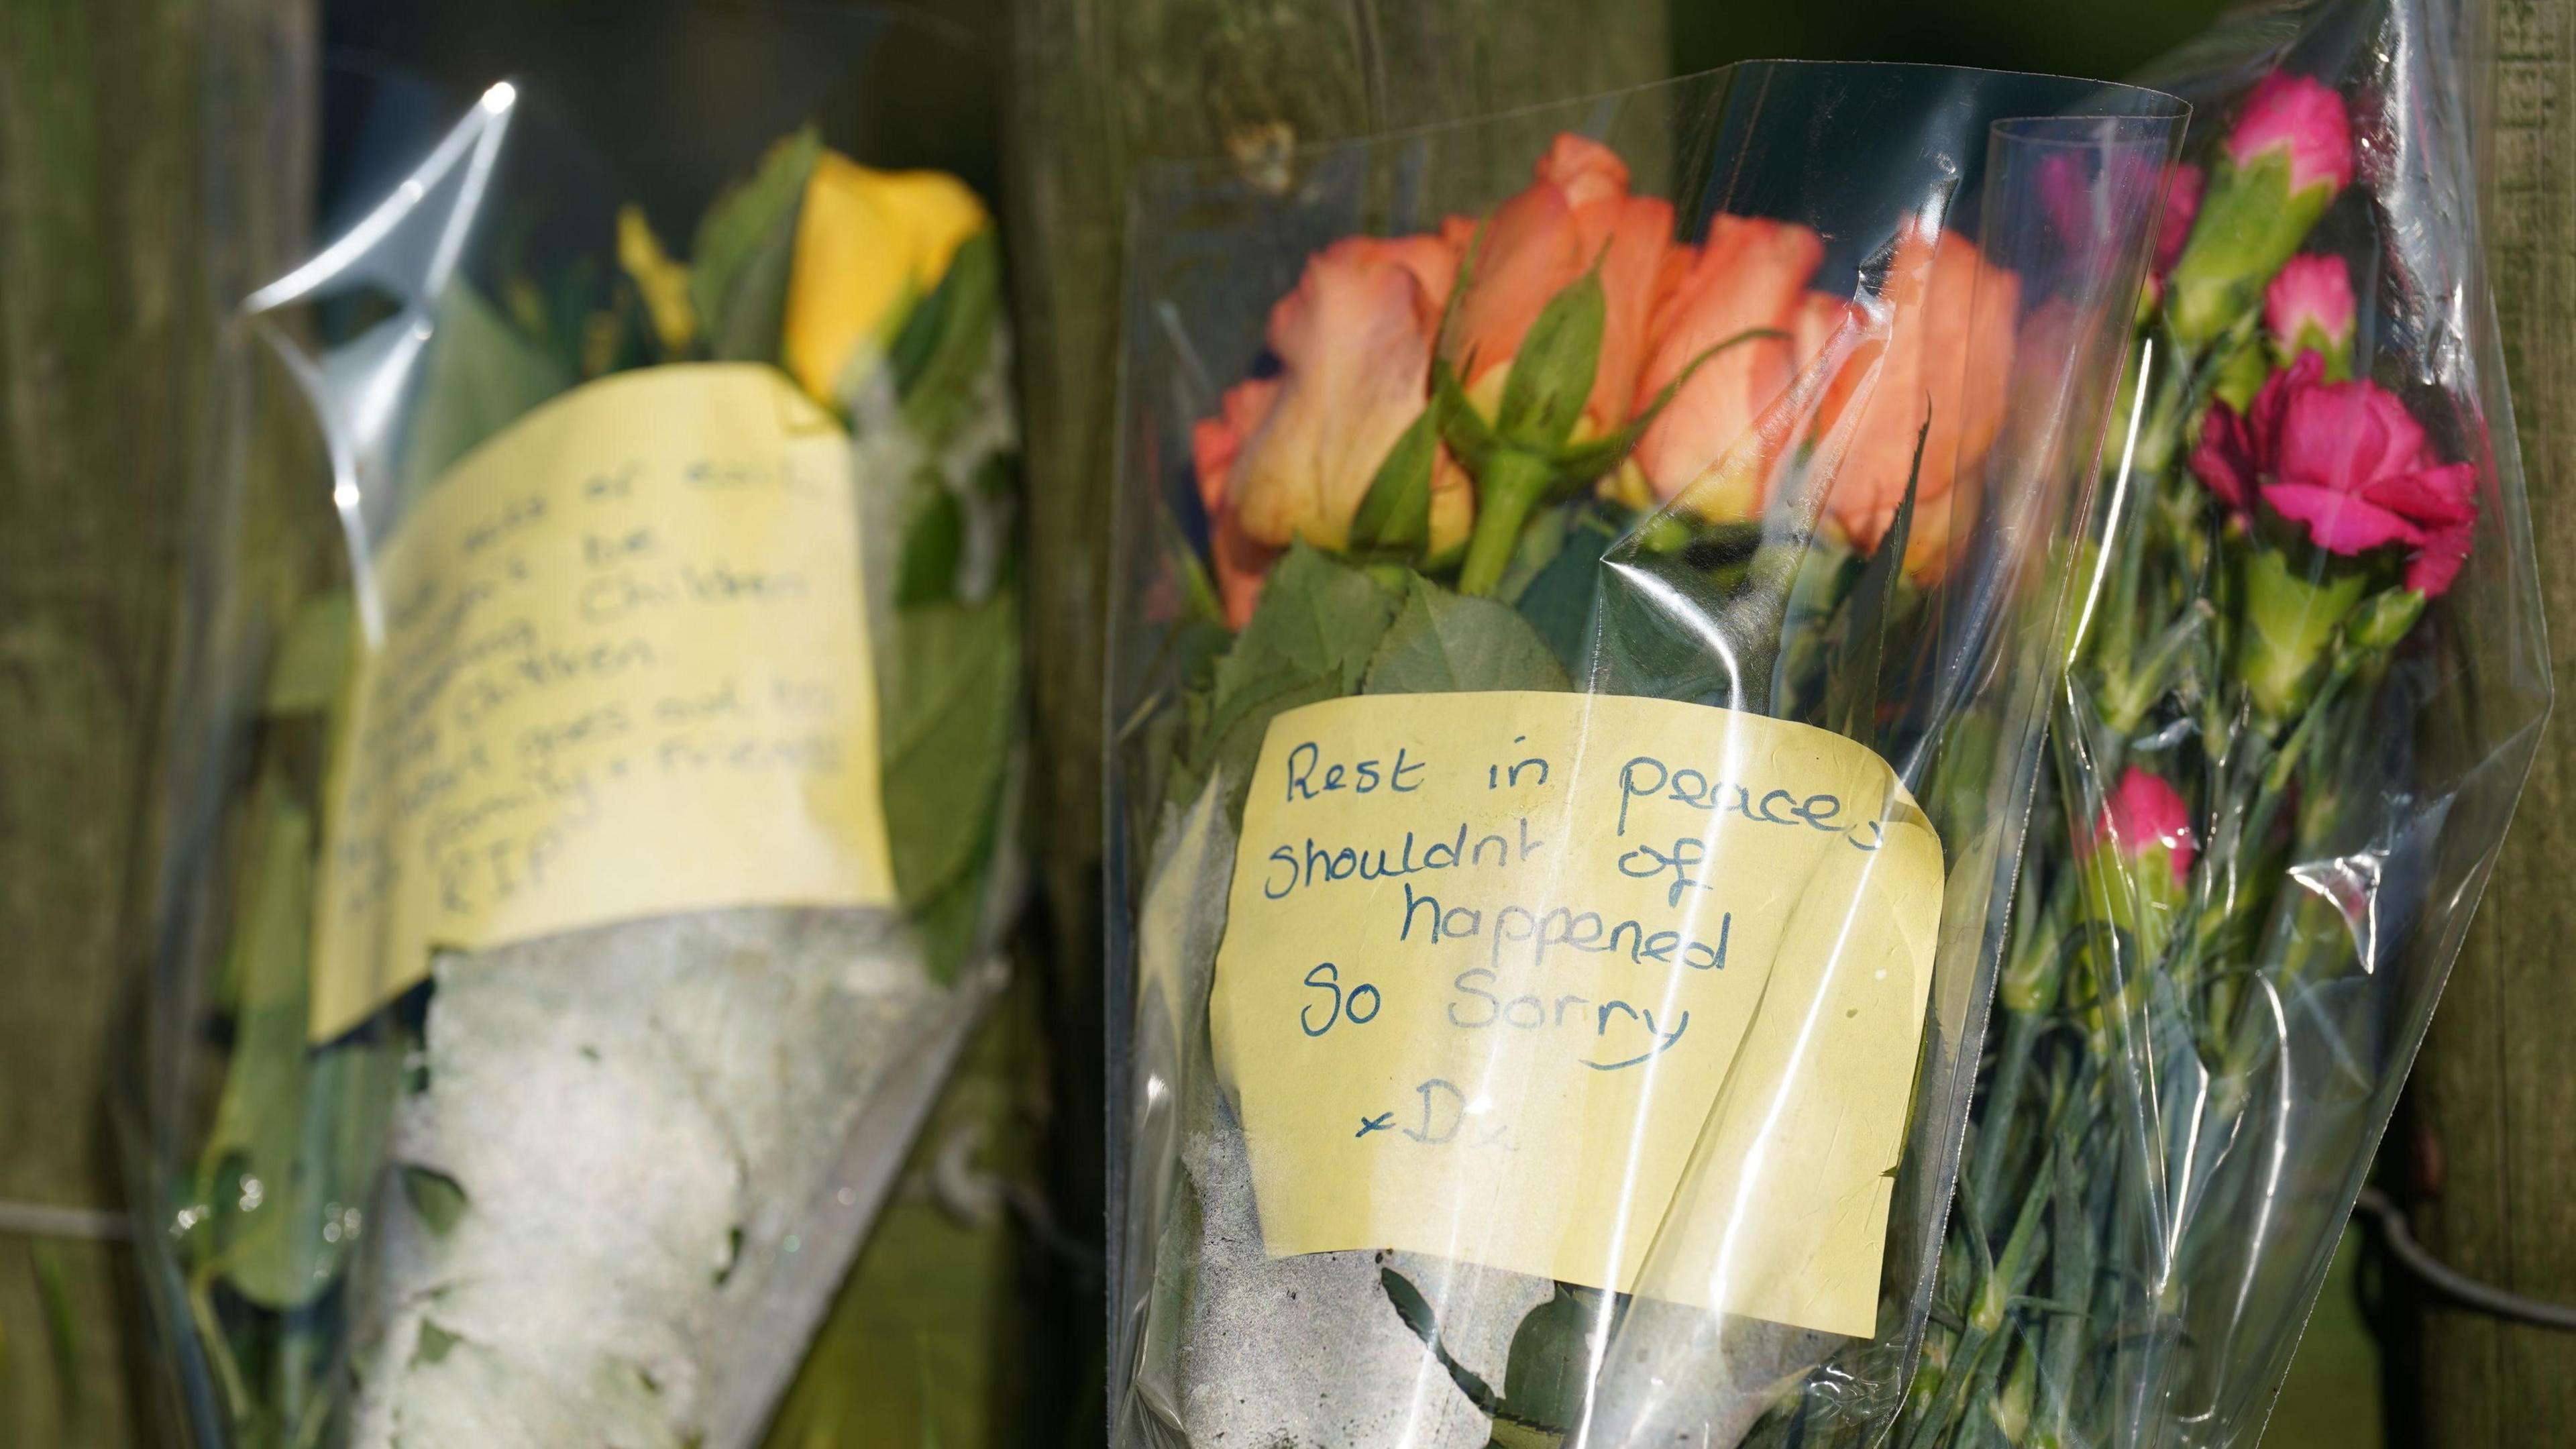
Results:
[2307, 119]
[2309, 308]
[2184, 185]
[2145, 815]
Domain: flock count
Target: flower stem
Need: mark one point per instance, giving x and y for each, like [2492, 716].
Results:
[1512, 485]
[1996, 1135]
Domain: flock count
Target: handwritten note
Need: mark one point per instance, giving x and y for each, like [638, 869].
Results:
[625, 673]
[1622, 992]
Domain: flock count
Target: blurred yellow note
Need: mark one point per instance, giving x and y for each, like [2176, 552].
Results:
[1621, 992]
[624, 673]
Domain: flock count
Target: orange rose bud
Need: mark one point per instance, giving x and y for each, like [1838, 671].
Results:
[1752, 273]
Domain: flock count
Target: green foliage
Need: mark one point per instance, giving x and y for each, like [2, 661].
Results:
[1311, 640]
[313, 657]
[934, 542]
[950, 698]
[1414, 1311]
[482, 375]
[940, 356]
[1443, 643]
[745, 249]
[1394, 517]
[287, 1151]
[1551, 376]
[286, 1170]
[1547, 1375]
[437, 1198]
[1561, 598]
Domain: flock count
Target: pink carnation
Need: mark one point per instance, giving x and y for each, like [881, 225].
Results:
[2146, 814]
[2348, 463]
[2076, 200]
[2311, 294]
[2304, 117]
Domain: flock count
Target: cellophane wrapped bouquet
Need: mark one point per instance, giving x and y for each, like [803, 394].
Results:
[597, 750]
[2304, 686]
[1589, 582]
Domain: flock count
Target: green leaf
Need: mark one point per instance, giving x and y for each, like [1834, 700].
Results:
[745, 245]
[951, 925]
[1414, 1311]
[1394, 516]
[1445, 643]
[62, 1331]
[1547, 1375]
[1851, 688]
[1469, 437]
[1551, 376]
[1591, 460]
[950, 699]
[434, 1344]
[1230, 741]
[316, 1206]
[298, 1134]
[261, 1106]
[1560, 598]
[1542, 539]
[940, 355]
[1311, 639]
[1317, 618]
[934, 539]
[438, 1198]
[313, 657]
[482, 375]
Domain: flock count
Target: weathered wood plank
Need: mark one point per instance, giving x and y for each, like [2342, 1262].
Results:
[94, 187]
[2492, 1094]
[105, 270]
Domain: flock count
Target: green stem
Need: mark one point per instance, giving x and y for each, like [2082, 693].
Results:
[2130, 697]
[1998, 1133]
[2295, 749]
[1513, 484]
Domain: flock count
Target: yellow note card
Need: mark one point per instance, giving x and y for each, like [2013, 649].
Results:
[624, 673]
[1621, 992]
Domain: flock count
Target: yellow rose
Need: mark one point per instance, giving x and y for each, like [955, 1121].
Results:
[867, 243]
[662, 282]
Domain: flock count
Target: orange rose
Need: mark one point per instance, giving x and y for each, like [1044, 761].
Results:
[1752, 273]
[1948, 345]
[1291, 456]
[1575, 212]
[1354, 348]
[1239, 562]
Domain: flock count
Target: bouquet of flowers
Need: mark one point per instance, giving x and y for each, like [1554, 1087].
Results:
[1575, 719]
[2301, 697]
[595, 800]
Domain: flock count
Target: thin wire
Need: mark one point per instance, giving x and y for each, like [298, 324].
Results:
[37, 1220]
[2486, 1297]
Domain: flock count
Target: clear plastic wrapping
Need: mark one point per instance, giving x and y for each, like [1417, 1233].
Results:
[2295, 723]
[597, 749]
[1589, 584]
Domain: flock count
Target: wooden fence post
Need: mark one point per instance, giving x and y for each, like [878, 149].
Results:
[107, 166]
[2495, 1103]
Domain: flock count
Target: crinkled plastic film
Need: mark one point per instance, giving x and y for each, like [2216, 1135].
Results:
[1843, 558]
[2303, 799]
[635, 462]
